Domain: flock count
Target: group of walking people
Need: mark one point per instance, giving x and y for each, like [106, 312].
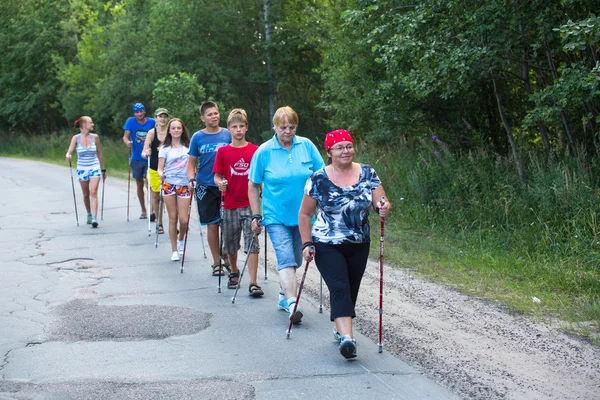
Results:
[239, 187]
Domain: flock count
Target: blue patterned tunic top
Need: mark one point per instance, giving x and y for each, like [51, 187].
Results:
[343, 212]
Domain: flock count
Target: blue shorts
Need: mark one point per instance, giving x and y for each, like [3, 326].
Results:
[139, 169]
[85, 174]
[287, 244]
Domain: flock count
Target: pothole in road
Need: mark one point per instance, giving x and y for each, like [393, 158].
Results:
[84, 320]
[178, 390]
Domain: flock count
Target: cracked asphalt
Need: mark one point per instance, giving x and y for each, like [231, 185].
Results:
[101, 314]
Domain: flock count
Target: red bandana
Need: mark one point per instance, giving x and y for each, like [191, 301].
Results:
[340, 135]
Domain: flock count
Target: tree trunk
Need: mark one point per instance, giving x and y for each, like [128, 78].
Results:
[563, 115]
[509, 133]
[269, 61]
[527, 83]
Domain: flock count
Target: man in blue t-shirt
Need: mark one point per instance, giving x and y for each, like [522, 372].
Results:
[203, 150]
[134, 134]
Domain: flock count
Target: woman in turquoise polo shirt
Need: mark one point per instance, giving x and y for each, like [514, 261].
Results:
[282, 165]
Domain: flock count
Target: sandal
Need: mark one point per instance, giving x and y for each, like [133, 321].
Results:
[217, 270]
[161, 229]
[143, 216]
[254, 290]
[233, 284]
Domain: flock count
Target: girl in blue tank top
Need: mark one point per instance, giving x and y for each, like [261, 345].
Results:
[90, 165]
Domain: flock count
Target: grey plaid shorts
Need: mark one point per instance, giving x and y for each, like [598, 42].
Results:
[234, 223]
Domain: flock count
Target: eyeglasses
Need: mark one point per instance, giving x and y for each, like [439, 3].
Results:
[348, 147]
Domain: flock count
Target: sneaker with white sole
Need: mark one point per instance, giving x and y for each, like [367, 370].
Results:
[282, 303]
[298, 315]
[180, 246]
[175, 256]
[348, 347]
[89, 219]
[336, 336]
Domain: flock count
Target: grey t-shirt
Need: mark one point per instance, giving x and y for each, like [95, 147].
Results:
[175, 164]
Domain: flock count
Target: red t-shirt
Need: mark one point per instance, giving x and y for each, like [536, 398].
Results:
[233, 164]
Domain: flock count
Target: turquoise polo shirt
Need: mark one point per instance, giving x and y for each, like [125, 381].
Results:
[283, 174]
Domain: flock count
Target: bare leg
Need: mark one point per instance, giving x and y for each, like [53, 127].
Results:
[344, 326]
[171, 204]
[94, 183]
[212, 237]
[85, 189]
[287, 277]
[182, 212]
[233, 261]
[154, 200]
[140, 193]
[253, 266]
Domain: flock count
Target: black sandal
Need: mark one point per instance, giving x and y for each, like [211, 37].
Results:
[217, 270]
[231, 284]
[254, 290]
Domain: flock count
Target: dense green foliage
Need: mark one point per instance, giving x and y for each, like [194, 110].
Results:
[483, 116]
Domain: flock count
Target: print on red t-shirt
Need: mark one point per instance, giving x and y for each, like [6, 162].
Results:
[233, 163]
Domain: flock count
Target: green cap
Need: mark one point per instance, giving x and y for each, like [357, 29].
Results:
[161, 111]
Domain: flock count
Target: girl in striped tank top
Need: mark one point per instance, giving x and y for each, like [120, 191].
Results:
[90, 165]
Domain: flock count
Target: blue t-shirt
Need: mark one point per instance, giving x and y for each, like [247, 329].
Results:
[204, 146]
[138, 134]
[283, 174]
[343, 212]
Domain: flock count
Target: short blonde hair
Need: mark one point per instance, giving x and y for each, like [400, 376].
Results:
[237, 115]
[283, 113]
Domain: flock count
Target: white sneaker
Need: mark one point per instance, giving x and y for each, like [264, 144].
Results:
[298, 315]
[180, 246]
[175, 256]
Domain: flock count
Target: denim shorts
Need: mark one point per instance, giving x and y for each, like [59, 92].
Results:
[287, 244]
[138, 169]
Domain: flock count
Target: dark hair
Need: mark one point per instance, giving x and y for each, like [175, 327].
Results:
[185, 137]
[80, 121]
[206, 105]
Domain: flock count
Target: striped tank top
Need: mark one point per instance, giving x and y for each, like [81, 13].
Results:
[86, 156]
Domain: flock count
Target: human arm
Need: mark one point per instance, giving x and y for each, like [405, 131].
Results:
[308, 208]
[100, 157]
[127, 138]
[147, 152]
[384, 209]
[71, 148]
[161, 168]
[191, 170]
[254, 198]
[220, 182]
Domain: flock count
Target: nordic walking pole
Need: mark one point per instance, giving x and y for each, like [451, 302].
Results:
[200, 228]
[187, 229]
[382, 220]
[148, 196]
[128, 181]
[243, 269]
[221, 240]
[102, 207]
[265, 247]
[73, 187]
[321, 295]
[289, 331]
[265, 254]
[160, 200]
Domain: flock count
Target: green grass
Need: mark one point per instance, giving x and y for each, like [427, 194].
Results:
[464, 222]
[53, 147]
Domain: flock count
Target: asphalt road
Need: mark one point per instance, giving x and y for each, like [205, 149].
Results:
[101, 314]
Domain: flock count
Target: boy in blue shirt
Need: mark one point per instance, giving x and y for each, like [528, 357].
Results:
[203, 151]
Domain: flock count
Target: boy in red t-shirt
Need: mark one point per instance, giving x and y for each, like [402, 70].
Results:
[231, 177]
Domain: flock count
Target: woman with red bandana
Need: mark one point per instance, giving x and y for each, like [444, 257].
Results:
[342, 192]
